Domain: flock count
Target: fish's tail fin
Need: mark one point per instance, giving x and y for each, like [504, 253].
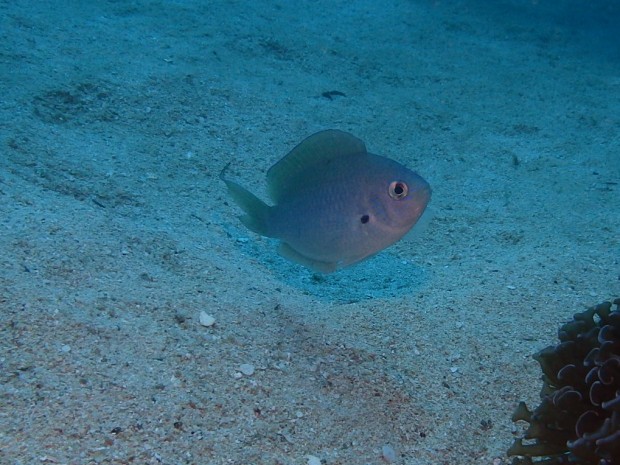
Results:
[256, 216]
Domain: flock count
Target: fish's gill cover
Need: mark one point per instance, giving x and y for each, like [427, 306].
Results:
[578, 419]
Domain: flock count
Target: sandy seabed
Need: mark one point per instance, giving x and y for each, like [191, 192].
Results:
[116, 233]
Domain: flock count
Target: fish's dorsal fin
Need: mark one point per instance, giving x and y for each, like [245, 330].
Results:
[309, 158]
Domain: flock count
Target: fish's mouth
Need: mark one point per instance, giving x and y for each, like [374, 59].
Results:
[420, 197]
[421, 192]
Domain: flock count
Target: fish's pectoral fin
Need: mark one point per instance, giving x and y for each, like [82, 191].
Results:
[256, 211]
[291, 254]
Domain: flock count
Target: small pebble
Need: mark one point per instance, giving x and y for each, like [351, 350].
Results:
[206, 319]
[247, 369]
[312, 460]
[388, 453]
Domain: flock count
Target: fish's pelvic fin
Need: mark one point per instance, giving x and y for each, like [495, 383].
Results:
[291, 254]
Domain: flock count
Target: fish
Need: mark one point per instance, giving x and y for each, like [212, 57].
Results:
[334, 203]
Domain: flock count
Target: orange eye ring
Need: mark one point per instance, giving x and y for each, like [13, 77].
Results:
[398, 190]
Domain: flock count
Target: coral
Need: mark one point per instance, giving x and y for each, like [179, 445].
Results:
[578, 419]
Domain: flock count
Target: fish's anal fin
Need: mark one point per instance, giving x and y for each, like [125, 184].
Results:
[291, 254]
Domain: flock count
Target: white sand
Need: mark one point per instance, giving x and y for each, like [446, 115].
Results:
[115, 231]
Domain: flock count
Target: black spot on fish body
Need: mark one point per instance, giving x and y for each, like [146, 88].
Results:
[364, 219]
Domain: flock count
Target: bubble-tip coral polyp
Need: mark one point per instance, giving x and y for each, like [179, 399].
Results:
[578, 419]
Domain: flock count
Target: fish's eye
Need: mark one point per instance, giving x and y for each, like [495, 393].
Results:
[398, 190]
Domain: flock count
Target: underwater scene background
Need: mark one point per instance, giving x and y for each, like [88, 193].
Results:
[141, 322]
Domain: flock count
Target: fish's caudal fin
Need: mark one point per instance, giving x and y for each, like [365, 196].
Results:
[256, 216]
